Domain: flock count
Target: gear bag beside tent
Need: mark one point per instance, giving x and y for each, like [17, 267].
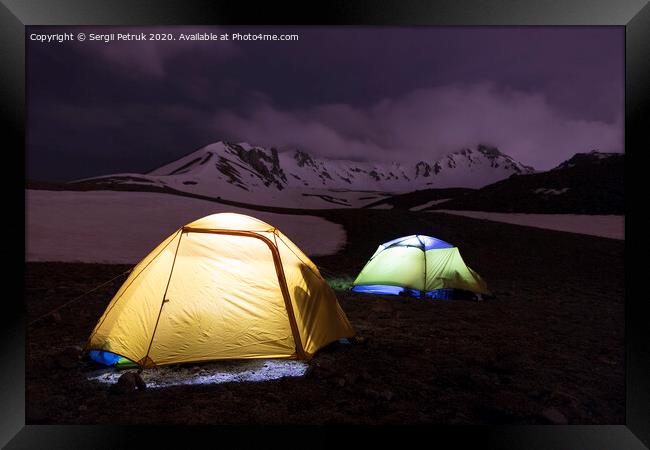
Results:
[227, 286]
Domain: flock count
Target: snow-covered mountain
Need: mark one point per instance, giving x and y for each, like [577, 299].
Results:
[586, 183]
[250, 174]
[582, 159]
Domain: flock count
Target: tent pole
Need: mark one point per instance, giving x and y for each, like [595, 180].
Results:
[300, 351]
[162, 303]
[424, 283]
[424, 255]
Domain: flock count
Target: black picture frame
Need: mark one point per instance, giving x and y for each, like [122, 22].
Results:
[634, 15]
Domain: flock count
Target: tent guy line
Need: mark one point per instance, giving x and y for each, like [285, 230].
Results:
[78, 298]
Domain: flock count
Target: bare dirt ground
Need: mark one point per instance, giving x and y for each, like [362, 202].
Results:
[548, 349]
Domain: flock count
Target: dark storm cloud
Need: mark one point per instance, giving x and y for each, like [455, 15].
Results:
[157, 59]
[428, 123]
[363, 93]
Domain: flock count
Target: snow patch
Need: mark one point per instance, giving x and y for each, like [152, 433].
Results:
[609, 226]
[550, 191]
[428, 204]
[601, 155]
[121, 227]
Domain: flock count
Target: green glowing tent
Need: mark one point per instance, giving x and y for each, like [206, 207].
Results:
[418, 265]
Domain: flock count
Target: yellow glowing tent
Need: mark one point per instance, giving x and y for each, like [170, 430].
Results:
[227, 286]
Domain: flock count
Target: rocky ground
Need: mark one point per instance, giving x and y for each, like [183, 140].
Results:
[548, 349]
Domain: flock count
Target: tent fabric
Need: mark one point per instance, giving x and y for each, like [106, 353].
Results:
[428, 267]
[227, 286]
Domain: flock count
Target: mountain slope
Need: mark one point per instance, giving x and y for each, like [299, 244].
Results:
[418, 200]
[587, 183]
[265, 176]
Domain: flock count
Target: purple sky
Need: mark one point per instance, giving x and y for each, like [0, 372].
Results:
[364, 93]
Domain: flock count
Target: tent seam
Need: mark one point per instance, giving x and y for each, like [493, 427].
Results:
[125, 289]
[297, 256]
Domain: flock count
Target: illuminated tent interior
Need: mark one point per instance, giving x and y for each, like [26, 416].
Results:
[420, 266]
[227, 286]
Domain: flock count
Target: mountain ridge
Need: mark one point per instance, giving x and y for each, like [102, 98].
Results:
[246, 167]
[481, 178]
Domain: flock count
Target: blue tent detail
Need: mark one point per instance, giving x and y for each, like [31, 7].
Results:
[384, 289]
[103, 357]
[418, 240]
